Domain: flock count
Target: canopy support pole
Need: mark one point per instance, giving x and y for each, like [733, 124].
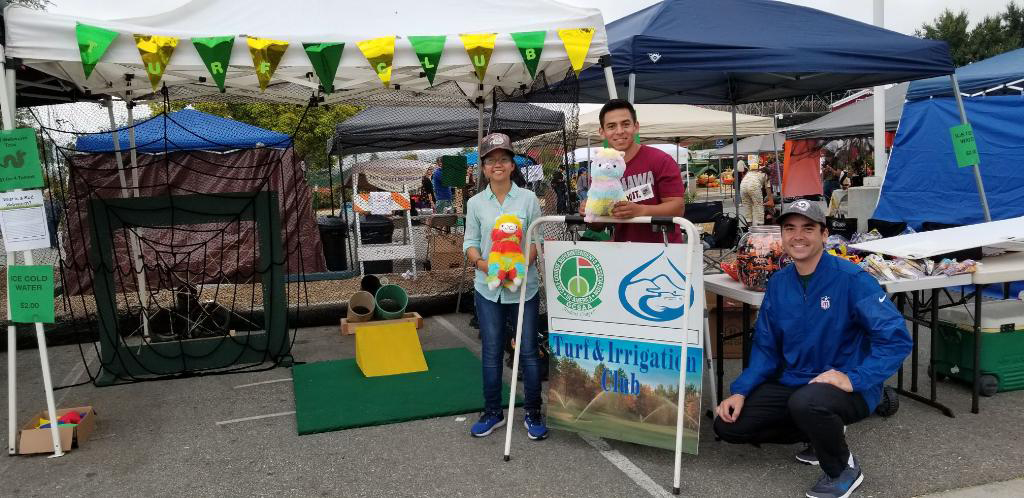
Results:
[775, 149]
[609, 76]
[8, 98]
[479, 145]
[878, 111]
[136, 247]
[977, 170]
[735, 161]
[632, 88]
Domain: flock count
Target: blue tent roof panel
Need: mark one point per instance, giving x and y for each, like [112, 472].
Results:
[803, 51]
[981, 76]
[186, 129]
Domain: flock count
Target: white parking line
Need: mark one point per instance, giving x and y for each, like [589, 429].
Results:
[257, 417]
[261, 383]
[471, 344]
[627, 467]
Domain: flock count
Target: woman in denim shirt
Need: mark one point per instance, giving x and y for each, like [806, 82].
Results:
[495, 307]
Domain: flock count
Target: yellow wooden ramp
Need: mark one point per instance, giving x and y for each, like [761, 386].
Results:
[389, 349]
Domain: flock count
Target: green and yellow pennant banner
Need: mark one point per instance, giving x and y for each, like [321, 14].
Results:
[380, 53]
[428, 51]
[479, 47]
[93, 42]
[266, 55]
[156, 53]
[216, 53]
[530, 45]
[325, 58]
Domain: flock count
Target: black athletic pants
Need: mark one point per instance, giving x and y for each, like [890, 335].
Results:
[814, 413]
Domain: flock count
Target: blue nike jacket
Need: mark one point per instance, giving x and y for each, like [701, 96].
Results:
[843, 321]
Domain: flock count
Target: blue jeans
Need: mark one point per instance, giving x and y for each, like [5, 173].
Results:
[492, 317]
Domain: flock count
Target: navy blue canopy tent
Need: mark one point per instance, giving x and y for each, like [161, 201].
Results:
[1002, 74]
[693, 52]
[187, 129]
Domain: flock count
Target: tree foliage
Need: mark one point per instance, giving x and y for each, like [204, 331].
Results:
[992, 36]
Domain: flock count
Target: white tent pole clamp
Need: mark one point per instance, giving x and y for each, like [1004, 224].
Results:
[7, 106]
[694, 248]
[136, 247]
[977, 170]
[609, 76]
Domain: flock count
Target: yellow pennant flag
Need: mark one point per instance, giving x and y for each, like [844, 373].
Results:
[479, 47]
[380, 52]
[577, 44]
[266, 55]
[156, 53]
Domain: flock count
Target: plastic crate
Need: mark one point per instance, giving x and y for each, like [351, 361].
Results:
[1002, 345]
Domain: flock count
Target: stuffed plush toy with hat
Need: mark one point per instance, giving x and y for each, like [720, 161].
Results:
[606, 172]
[506, 264]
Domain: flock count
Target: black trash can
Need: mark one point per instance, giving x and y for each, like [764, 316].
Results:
[333, 232]
[376, 229]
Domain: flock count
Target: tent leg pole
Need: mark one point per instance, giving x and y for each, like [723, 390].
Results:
[775, 149]
[977, 170]
[735, 161]
[609, 76]
[632, 88]
[479, 146]
[12, 349]
[136, 247]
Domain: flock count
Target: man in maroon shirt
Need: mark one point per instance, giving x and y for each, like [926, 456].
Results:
[652, 180]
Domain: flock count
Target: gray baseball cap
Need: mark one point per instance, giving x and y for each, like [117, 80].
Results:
[493, 142]
[809, 209]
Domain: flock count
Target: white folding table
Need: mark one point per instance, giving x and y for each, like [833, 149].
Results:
[723, 286]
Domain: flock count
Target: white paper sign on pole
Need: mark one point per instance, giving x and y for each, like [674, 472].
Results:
[23, 221]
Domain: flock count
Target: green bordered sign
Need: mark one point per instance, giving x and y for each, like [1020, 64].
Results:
[31, 293]
[19, 160]
[579, 279]
[964, 146]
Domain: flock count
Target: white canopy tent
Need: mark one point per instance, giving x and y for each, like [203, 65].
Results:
[679, 153]
[389, 175]
[47, 42]
[685, 123]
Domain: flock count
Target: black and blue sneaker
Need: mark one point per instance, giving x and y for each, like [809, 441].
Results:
[536, 429]
[487, 423]
[838, 487]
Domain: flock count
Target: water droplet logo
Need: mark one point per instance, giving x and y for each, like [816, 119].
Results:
[655, 291]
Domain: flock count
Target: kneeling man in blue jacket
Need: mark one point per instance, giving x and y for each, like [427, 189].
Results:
[826, 339]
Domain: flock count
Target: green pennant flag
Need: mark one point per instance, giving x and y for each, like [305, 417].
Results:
[93, 42]
[428, 50]
[325, 58]
[530, 45]
[215, 52]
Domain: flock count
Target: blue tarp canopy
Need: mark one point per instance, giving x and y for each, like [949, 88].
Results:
[922, 181]
[186, 129]
[699, 52]
[989, 75]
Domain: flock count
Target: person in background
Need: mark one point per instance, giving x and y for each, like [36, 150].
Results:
[427, 188]
[752, 197]
[496, 307]
[825, 341]
[838, 203]
[651, 173]
[829, 180]
[561, 191]
[741, 169]
[583, 185]
[442, 194]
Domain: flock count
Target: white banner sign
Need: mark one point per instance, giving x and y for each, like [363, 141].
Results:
[623, 289]
[23, 221]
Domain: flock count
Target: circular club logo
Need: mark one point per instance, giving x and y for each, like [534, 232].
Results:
[579, 279]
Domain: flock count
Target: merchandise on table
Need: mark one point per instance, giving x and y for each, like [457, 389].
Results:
[731, 270]
[760, 255]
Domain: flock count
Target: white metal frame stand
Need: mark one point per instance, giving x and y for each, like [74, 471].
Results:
[693, 251]
[7, 109]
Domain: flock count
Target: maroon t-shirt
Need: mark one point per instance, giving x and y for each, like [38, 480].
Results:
[652, 167]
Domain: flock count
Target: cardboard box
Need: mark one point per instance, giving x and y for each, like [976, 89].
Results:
[732, 323]
[32, 440]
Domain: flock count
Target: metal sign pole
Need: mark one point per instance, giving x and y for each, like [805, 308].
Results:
[976, 167]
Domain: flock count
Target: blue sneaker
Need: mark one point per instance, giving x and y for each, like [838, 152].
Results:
[536, 429]
[839, 487]
[487, 423]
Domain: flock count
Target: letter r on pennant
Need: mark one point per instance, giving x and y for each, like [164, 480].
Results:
[216, 67]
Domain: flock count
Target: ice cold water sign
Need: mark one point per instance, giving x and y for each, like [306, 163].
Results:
[31, 289]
